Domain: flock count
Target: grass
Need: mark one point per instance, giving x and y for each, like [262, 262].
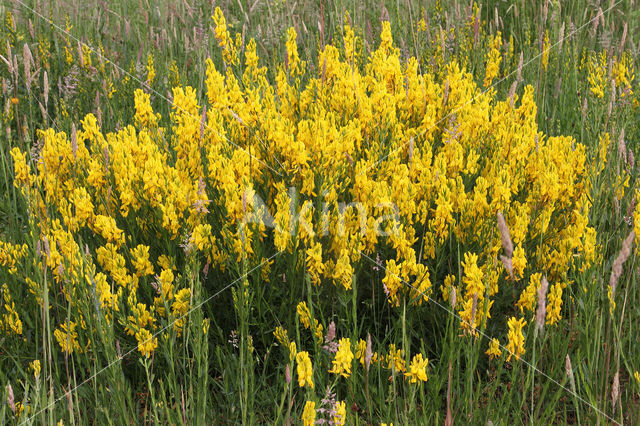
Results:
[223, 363]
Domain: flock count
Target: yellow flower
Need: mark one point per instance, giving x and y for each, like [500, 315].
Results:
[165, 281]
[493, 59]
[309, 413]
[10, 318]
[340, 416]
[305, 369]
[494, 349]
[180, 308]
[296, 67]
[83, 205]
[516, 338]
[140, 260]
[281, 336]
[395, 359]
[20, 167]
[473, 277]
[519, 262]
[314, 263]
[229, 50]
[529, 296]
[343, 358]
[141, 318]
[623, 74]
[303, 314]
[201, 237]
[554, 304]
[445, 288]
[144, 116]
[151, 71]
[67, 338]
[146, 342]
[597, 77]
[343, 271]
[293, 351]
[417, 369]
[392, 282]
[35, 367]
[107, 228]
[545, 50]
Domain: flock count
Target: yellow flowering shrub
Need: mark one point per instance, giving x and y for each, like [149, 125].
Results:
[328, 164]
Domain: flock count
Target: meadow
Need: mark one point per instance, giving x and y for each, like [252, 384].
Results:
[319, 212]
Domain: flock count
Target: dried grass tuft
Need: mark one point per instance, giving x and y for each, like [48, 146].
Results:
[507, 245]
[541, 312]
[615, 391]
[616, 269]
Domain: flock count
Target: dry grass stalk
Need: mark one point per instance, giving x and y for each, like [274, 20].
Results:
[349, 158]
[46, 89]
[512, 92]
[11, 398]
[541, 312]
[47, 249]
[624, 38]
[558, 88]
[622, 147]
[520, 63]
[507, 245]
[27, 59]
[474, 308]
[613, 92]
[632, 205]
[448, 421]
[506, 261]
[368, 353]
[616, 269]
[203, 120]
[596, 21]
[615, 391]
[8, 60]
[453, 297]
[445, 97]
[410, 151]
[568, 368]
[80, 54]
[74, 140]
